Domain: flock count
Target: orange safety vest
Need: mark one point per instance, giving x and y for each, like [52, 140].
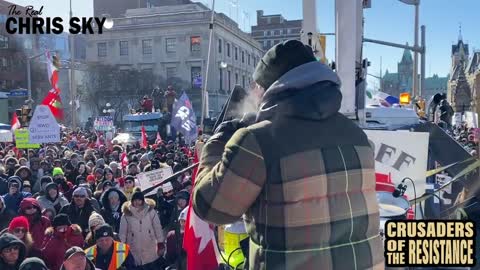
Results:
[119, 255]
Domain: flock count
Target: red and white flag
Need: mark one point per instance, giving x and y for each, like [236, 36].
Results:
[53, 99]
[159, 138]
[144, 142]
[124, 160]
[98, 143]
[15, 122]
[199, 238]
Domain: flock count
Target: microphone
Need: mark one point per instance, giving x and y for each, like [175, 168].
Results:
[400, 189]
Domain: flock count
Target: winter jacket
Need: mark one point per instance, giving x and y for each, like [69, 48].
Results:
[79, 216]
[110, 216]
[7, 240]
[29, 174]
[57, 204]
[141, 230]
[5, 216]
[38, 223]
[12, 202]
[302, 170]
[3, 185]
[56, 244]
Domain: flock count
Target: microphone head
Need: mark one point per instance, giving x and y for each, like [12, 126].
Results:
[396, 193]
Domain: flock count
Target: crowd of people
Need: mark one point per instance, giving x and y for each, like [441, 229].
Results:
[79, 205]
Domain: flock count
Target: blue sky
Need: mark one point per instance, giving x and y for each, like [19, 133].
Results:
[388, 20]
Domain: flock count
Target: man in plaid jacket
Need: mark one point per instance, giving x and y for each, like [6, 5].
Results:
[302, 176]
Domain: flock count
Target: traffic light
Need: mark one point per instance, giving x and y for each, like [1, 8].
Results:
[24, 115]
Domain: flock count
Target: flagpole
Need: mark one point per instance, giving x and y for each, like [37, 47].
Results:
[204, 91]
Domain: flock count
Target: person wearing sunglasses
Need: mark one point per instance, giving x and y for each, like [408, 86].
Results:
[12, 252]
[80, 209]
[59, 238]
[129, 184]
[30, 208]
[19, 226]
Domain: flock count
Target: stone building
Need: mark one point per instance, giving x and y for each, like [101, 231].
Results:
[172, 41]
[273, 29]
[402, 81]
[459, 92]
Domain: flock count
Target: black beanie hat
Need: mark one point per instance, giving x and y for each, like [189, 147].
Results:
[137, 195]
[104, 230]
[33, 264]
[280, 59]
[51, 186]
[46, 179]
[61, 220]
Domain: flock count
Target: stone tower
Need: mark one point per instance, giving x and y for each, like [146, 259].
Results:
[405, 72]
[459, 93]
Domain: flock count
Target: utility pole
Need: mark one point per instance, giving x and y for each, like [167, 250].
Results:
[415, 89]
[73, 90]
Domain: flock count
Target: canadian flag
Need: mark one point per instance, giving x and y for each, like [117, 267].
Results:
[53, 99]
[124, 160]
[15, 122]
[199, 238]
[159, 138]
[144, 142]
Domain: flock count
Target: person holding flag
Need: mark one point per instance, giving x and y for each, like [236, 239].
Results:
[309, 203]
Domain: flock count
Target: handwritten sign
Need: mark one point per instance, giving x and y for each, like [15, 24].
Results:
[6, 136]
[151, 178]
[21, 140]
[103, 123]
[43, 128]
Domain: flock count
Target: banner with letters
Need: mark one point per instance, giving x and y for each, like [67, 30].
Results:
[401, 154]
[43, 127]
[103, 123]
[21, 140]
[151, 178]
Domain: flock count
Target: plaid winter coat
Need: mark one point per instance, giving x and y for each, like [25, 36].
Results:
[302, 177]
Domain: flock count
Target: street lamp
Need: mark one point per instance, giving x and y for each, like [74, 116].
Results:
[223, 65]
[108, 22]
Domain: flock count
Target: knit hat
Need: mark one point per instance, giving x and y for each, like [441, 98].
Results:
[95, 220]
[57, 171]
[90, 178]
[104, 230]
[280, 59]
[26, 184]
[18, 222]
[61, 220]
[15, 179]
[80, 191]
[99, 171]
[51, 186]
[33, 263]
[72, 251]
[29, 202]
[46, 179]
[137, 195]
[113, 164]
[107, 184]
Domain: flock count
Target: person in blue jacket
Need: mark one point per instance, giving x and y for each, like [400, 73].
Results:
[15, 195]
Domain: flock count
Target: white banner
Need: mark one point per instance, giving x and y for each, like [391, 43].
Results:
[151, 178]
[401, 154]
[43, 127]
[6, 136]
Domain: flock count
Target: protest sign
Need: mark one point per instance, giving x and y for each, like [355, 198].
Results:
[103, 123]
[6, 136]
[43, 128]
[151, 178]
[21, 140]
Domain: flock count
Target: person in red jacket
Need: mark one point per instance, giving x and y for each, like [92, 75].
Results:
[30, 208]
[19, 227]
[59, 238]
